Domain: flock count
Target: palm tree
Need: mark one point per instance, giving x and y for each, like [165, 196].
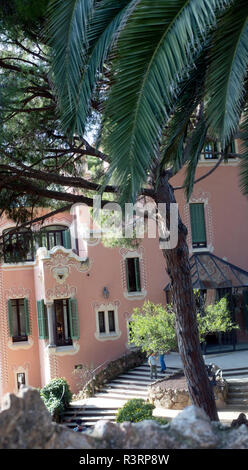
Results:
[166, 61]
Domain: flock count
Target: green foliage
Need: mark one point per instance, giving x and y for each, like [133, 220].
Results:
[56, 396]
[216, 319]
[135, 410]
[153, 327]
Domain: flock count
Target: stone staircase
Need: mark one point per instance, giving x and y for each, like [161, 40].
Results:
[105, 404]
[237, 397]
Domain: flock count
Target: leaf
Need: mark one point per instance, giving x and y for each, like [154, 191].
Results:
[227, 72]
[155, 50]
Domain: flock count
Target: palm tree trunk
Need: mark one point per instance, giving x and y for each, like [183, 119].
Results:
[178, 267]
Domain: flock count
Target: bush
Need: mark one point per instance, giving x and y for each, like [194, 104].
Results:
[135, 410]
[56, 396]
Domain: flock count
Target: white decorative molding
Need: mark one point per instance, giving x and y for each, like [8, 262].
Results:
[68, 350]
[61, 292]
[135, 295]
[60, 257]
[17, 293]
[108, 335]
[19, 345]
[200, 196]
[21, 369]
[136, 253]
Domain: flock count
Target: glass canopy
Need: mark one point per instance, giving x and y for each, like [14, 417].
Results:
[208, 271]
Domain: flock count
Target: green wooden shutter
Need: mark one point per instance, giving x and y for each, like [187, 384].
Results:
[10, 321]
[197, 219]
[137, 274]
[127, 275]
[73, 315]
[26, 314]
[66, 239]
[42, 320]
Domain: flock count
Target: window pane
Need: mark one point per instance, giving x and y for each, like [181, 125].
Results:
[133, 274]
[14, 318]
[18, 319]
[209, 151]
[59, 239]
[111, 319]
[22, 318]
[198, 228]
[101, 321]
[51, 240]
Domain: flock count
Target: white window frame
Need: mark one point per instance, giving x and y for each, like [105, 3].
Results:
[107, 335]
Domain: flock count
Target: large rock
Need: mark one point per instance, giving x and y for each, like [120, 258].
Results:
[26, 424]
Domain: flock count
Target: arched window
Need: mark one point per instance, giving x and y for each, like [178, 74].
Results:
[18, 246]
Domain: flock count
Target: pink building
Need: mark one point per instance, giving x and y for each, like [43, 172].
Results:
[69, 301]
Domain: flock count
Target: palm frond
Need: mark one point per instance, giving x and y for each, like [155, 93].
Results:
[66, 30]
[191, 94]
[227, 71]
[197, 140]
[155, 50]
[244, 152]
[92, 43]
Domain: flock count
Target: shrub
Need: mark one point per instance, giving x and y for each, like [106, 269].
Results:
[135, 410]
[56, 396]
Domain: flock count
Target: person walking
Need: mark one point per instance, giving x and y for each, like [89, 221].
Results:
[162, 363]
[152, 361]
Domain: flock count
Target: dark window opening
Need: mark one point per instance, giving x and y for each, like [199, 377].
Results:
[111, 320]
[101, 320]
[62, 323]
[18, 320]
[133, 274]
[18, 247]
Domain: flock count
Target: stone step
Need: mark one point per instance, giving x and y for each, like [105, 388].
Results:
[124, 391]
[237, 401]
[90, 412]
[126, 386]
[241, 395]
[123, 395]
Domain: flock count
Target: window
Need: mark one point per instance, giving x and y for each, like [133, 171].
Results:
[62, 323]
[66, 321]
[18, 247]
[107, 322]
[54, 235]
[210, 151]
[230, 150]
[133, 274]
[198, 228]
[21, 380]
[18, 317]
[111, 321]
[101, 320]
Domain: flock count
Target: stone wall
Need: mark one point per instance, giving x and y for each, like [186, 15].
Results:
[172, 393]
[111, 371]
[26, 424]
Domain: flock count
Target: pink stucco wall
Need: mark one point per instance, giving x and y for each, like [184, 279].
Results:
[227, 226]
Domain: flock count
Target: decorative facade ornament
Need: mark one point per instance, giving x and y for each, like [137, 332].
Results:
[61, 292]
